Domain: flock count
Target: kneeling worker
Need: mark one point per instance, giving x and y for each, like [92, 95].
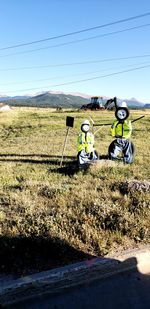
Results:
[86, 151]
[121, 129]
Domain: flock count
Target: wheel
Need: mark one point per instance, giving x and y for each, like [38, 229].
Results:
[122, 113]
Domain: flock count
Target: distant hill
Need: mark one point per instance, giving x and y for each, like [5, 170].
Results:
[54, 100]
[7, 98]
[133, 103]
[49, 100]
[147, 105]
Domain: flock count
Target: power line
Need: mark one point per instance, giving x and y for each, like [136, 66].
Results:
[70, 75]
[76, 41]
[87, 79]
[76, 63]
[77, 32]
[102, 76]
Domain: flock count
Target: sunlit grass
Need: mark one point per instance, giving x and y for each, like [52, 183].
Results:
[87, 209]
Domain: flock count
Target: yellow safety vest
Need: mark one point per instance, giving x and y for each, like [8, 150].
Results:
[121, 130]
[85, 141]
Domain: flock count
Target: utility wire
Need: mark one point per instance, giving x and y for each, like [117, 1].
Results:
[75, 41]
[70, 75]
[77, 32]
[76, 63]
[87, 79]
[102, 76]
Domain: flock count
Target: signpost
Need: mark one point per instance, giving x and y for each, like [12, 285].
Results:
[69, 124]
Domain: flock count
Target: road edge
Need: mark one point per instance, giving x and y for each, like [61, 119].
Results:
[60, 279]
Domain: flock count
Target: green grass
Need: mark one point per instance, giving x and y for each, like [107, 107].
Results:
[92, 211]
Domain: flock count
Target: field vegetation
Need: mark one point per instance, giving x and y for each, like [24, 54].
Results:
[52, 215]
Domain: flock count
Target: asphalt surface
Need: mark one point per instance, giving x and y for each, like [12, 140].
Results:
[128, 290]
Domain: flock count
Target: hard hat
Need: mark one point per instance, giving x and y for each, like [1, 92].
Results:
[123, 104]
[86, 121]
[85, 126]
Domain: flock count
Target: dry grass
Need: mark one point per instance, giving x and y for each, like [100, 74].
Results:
[95, 211]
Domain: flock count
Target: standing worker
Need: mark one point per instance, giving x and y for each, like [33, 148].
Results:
[85, 145]
[121, 148]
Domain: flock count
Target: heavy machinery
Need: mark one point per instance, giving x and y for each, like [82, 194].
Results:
[95, 104]
[111, 104]
[98, 103]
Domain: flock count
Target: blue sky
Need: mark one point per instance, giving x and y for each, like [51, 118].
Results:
[74, 59]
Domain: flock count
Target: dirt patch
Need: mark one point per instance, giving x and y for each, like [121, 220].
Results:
[134, 186]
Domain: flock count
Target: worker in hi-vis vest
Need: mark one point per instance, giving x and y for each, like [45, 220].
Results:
[121, 148]
[85, 145]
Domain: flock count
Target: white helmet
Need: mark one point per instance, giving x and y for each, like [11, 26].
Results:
[86, 121]
[123, 104]
[85, 126]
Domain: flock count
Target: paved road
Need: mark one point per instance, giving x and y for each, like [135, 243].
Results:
[124, 291]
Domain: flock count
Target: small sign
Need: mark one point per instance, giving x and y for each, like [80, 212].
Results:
[69, 121]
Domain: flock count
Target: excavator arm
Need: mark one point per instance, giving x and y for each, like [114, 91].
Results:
[111, 103]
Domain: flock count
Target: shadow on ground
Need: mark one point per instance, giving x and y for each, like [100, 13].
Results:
[39, 158]
[111, 285]
[27, 255]
[123, 290]
[69, 165]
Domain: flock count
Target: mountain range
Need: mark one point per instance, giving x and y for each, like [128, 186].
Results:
[58, 99]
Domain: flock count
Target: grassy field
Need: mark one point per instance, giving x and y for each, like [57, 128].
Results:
[49, 215]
